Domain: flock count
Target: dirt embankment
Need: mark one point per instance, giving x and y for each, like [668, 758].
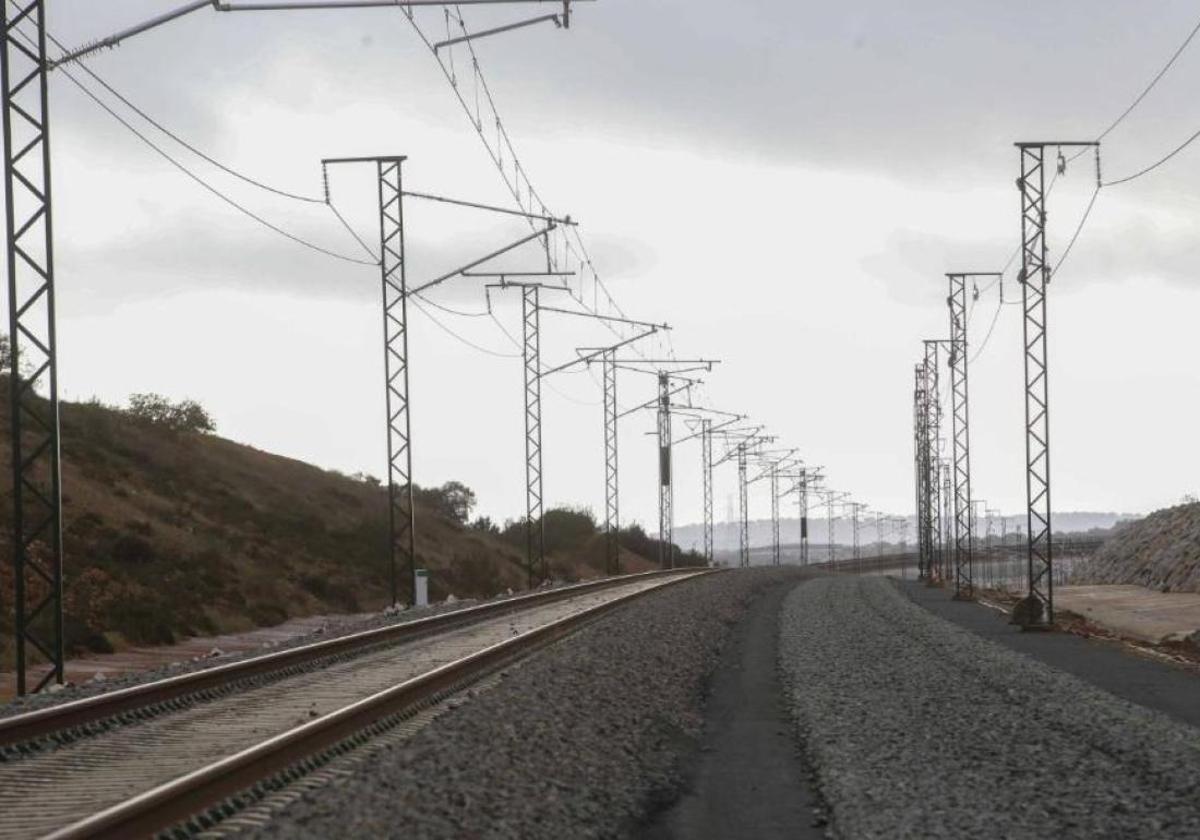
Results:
[1161, 551]
[170, 534]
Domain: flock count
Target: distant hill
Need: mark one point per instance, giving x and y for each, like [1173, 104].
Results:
[725, 534]
[171, 533]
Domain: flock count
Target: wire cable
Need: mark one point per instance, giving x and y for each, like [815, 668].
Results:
[1156, 164]
[181, 141]
[205, 185]
[460, 338]
[1170, 63]
[1078, 229]
[496, 153]
[1153, 82]
[449, 310]
[983, 345]
[374, 257]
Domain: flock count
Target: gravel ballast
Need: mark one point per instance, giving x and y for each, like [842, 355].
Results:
[585, 739]
[918, 728]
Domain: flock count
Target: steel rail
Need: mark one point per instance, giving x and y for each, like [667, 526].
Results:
[169, 804]
[39, 723]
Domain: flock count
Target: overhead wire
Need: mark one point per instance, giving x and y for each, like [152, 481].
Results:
[299, 240]
[450, 310]
[1145, 91]
[1078, 230]
[374, 256]
[991, 327]
[1137, 101]
[1157, 163]
[229, 170]
[461, 338]
[496, 153]
[88, 92]
[193, 148]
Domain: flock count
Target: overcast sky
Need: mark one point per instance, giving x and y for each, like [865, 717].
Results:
[784, 182]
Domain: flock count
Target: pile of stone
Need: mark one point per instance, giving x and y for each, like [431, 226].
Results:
[1161, 551]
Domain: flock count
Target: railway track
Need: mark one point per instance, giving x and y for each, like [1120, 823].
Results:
[161, 757]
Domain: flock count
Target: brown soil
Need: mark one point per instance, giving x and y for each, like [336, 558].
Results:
[170, 534]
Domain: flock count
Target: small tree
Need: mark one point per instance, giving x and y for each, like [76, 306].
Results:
[183, 416]
[486, 525]
[453, 500]
[458, 500]
[6, 358]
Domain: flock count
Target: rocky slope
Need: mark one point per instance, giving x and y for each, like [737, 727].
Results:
[1161, 551]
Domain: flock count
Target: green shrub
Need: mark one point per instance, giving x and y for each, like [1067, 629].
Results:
[182, 416]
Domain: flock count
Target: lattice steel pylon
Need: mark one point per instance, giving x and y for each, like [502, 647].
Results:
[776, 559]
[1036, 609]
[878, 534]
[531, 354]
[964, 580]
[947, 518]
[933, 463]
[612, 513]
[401, 511]
[666, 513]
[743, 509]
[802, 502]
[919, 441]
[706, 467]
[830, 526]
[37, 548]
[394, 291]
[855, 509]
[927, 471]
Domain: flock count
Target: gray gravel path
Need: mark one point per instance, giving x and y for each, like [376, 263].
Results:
[918, 728]
[748, 780]
[586, 739]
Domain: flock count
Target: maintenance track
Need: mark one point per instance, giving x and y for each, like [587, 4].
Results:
[1159, 684]
[919, 728]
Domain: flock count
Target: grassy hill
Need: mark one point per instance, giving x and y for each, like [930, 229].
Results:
[172, 533]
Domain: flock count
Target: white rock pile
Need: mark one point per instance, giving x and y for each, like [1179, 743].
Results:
[1161, 551]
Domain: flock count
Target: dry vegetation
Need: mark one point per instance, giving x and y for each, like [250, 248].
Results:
[171, 533]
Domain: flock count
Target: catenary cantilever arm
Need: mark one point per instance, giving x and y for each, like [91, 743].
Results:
[116, 38]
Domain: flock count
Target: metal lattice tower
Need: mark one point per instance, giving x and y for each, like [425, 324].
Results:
[988, 548]
[830, 523]
[947, 519]
[776, 559]
[706, 467]
[395, 293]
[743, 509]
[1037, 608]
[535, 537]
[803, 504]
[401, 513]
[928, 483]
[612, 515]
[37, 558]
[666, 513]
[933, 462]
[964, 582]
[855, 508]
[919, 465]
